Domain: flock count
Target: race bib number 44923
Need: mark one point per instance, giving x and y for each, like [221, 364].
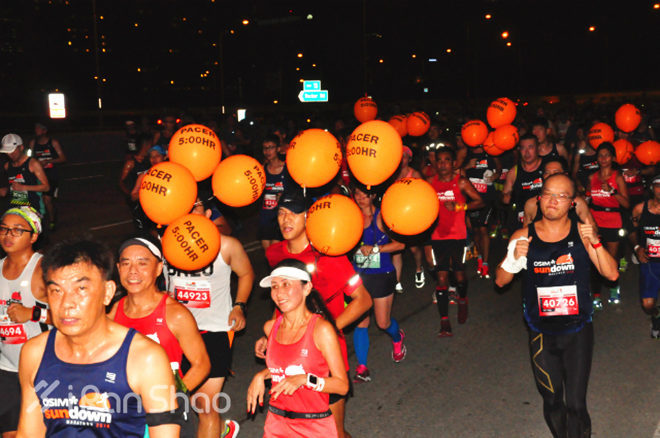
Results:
[557, 300]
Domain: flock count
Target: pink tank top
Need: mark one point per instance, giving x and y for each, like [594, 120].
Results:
[285, 360]
[153, 326]
[602, 198]
[451, 224]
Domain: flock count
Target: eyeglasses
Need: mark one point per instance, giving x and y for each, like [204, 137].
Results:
[560, 197]
[16, 232]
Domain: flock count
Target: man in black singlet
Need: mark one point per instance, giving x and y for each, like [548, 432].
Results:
[555, 253]
[50, 154]
[547, 147]
[524, 180]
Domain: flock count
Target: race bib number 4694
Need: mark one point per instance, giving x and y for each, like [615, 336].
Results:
[13, 334]
[557, 300]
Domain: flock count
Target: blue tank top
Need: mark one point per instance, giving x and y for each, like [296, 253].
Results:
[370, 236]
[556, 296]
[91, 400]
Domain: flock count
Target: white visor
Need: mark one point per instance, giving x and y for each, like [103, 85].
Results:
[286, 272]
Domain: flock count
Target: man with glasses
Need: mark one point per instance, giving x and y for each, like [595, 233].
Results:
[23, 308]
[27, 179]
[556, 252]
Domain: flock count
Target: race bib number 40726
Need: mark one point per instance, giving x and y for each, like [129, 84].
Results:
[557, 300]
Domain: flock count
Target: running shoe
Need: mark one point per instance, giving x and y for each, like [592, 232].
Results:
[434, 298]
[462, 310]
[494, 231]
[398, 288]
[623, 264]
[453, 295]
[361, 374]
[231, 429]
[399, 349]
[655, 327]
[634, 259]
[480, 264]
[615, 295]
[484, 271]
[419, 279]
[445, 328]
[598, 303]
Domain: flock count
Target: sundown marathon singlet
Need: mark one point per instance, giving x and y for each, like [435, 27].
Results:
[23, 175]
[526, 186]
[649, 233]
[556, 296]
[91, 400]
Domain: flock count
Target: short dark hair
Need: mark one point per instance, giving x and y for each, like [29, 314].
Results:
[541, 121]
[557, 159]
[528, 136]
[70, 252]
[446, 150]
[271, 138]
[608, 147]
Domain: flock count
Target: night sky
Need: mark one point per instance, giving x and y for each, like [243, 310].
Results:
[170, 53]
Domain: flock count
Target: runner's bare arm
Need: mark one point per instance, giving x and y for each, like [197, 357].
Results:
[582, 210]
[502, 277]
[507, 190]
[622, 192]
[31, 423]
[531, 208]
[150, 376]
[58, 148]
[361, 302]
[600, 257]
[466, 187]
[240, 264]
[38, 170]
[184, 328]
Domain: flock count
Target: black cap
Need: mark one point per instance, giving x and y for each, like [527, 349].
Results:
[293, 201]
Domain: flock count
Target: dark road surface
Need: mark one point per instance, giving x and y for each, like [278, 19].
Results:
[476, 384]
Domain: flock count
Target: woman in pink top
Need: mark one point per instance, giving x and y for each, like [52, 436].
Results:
[303, 358]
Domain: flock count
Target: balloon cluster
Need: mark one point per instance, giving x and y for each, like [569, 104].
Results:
[500, 115]
[169, 190]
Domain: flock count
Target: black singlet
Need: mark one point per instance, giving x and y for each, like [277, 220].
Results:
[556, 295]
[649, 233]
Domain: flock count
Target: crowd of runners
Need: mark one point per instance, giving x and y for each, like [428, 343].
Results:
[77, 354]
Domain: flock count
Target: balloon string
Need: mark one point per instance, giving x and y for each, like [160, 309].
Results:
[304, 192]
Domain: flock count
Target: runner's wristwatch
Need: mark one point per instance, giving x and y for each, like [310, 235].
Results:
[375, 249]
[241, 305]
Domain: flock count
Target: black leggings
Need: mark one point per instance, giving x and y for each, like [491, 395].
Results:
[561, 364]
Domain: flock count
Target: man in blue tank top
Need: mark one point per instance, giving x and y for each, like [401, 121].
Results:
[557, 305]
[92, 377]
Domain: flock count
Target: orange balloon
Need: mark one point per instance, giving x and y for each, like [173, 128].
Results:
[167, 192]
[506, 137]
[501, 112]
[627, 117]
[197, 148]
[191, 242]
[410, 206]
[418, 123]
[400, 123]
[238, 180]
[334, 224]
[313, 158]
[624, 150]
[365, 109]
[489, 146]
[648, 152]
[474, 133]
[374, 152]
[599, 133]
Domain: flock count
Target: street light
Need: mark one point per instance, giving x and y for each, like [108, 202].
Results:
[592, 28]
[505, 34]
[488, 16]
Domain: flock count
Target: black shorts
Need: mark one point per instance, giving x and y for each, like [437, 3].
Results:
[219, 351]
[379, 285]
[334, 398]
[10, 408]
[53, 176]
[481, 217]
[609, 234]
[448, 252]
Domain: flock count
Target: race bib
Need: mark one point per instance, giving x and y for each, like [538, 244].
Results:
[557, 300]
[371, 261]
[270, 201]
[521, 216]
[193, 294]
[480, 185]
[12, 334]
[653, 247]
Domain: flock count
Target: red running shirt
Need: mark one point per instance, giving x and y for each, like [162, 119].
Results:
[333, 277]
[451, 224]
[301, 357]
[153, 326]
[602, 198]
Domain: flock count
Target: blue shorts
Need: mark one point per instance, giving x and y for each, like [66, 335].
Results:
[649, 280]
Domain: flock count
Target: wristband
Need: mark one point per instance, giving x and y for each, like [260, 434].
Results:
[36, 314]
[596, 245]
[241, 305]
[319, 387]
[44, 316]
[636, 248]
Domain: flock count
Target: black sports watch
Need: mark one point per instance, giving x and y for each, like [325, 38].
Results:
[241, 305]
